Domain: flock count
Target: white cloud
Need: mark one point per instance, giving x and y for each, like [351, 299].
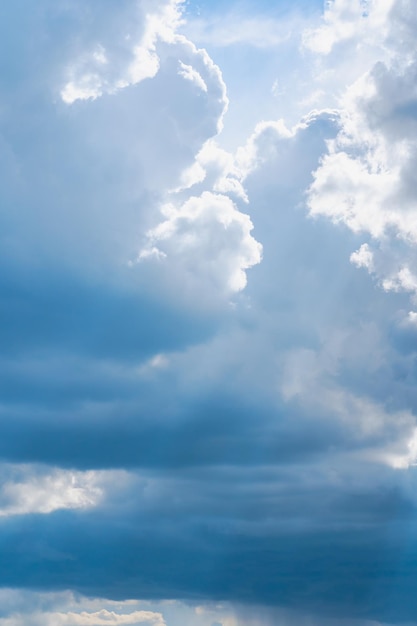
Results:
[113, 158]
[104, 617]
[99, 618]
[27, 489]
[175, 613]
[364, 21]
[128, 58]
[207, 239]
[366, 180]
[86, 87]
[404, 280]
[219, 171]
[191, 176]
[189, 73]
[408, 457]
[363, 257]
[259, 147]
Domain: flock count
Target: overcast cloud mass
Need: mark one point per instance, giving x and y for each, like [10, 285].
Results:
[208, 314]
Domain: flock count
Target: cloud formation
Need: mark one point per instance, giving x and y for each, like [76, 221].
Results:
[365, 180]
[100, 618]
[208, 409]
[208, 237]
[27, 491]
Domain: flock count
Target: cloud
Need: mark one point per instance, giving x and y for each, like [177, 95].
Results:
[207, 239]
[88, 198]
[228, 446]
[365, 180]
[191, 74]
[182, 419]
[174, 613]
[29, 491]
[363, 21]
[99, 618]
[129, 56]
[261, 456]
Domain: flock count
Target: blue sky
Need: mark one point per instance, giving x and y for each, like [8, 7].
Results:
[208, 313]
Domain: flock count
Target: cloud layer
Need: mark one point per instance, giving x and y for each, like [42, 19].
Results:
[208, 408]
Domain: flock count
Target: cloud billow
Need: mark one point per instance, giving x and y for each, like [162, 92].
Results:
[203, 400]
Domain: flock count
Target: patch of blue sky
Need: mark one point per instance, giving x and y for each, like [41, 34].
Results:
[206, 7]
[261, 46]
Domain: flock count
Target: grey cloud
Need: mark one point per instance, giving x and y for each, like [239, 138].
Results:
[329, 570]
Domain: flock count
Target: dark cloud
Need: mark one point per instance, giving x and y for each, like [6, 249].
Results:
[357, 569]
[62, 314]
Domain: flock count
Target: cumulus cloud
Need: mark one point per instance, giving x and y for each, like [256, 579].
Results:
[363, 21]
[138, 136]
[100, 618]
[189, 73]
[129, 54]
[365, 180]
[175, 614]
[206, 239]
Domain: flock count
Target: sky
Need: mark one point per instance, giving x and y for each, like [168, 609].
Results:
[208, 313]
